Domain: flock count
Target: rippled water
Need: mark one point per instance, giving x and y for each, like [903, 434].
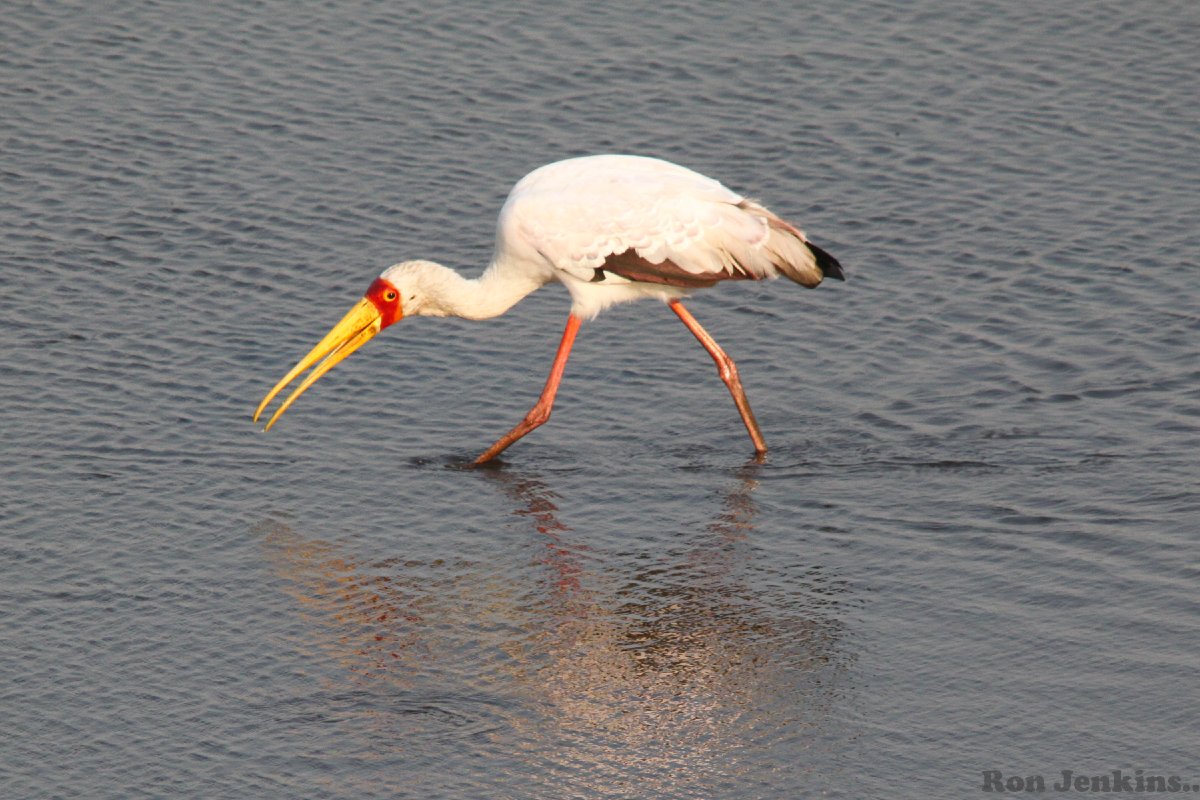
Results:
[973, 545]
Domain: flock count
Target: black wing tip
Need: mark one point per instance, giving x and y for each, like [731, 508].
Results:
[828, 265]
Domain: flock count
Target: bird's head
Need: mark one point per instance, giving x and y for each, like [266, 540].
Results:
[399, 291]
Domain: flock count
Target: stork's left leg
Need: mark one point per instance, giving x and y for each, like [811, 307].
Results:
[541, 410]
[727, 370]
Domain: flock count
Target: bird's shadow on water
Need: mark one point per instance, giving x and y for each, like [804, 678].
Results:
[679, 649]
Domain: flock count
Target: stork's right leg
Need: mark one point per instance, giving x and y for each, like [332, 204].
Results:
[727, 370]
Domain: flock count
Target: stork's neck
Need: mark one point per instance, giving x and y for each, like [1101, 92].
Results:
[498, 289]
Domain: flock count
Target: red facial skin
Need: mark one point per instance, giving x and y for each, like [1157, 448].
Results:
[386, 299]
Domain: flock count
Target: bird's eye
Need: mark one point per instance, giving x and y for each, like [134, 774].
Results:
[389, 295]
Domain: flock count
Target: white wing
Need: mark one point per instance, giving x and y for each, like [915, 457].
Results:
[647, 220]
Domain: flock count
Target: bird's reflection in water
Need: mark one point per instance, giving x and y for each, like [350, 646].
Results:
[662, 661]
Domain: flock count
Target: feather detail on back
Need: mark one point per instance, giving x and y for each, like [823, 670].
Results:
[784, 250]
[608, 221]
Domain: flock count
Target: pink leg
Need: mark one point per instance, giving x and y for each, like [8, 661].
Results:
[728, 372]
[541, 411]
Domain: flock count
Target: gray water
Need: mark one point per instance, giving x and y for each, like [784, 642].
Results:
[972, 546]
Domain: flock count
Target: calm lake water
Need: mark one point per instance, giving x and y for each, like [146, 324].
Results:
[972, 547]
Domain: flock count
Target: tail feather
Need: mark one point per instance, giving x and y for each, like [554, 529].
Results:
[790, 251]
[828, 265]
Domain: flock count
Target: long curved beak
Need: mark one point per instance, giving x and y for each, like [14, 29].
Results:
[357, 328]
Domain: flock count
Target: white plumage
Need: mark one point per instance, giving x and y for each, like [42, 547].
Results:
[611, 228]
[568, 218]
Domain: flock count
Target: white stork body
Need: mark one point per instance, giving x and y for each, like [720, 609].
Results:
[611, 228]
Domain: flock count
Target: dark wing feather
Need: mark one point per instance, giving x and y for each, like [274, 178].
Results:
[631, 266]
[829, 265]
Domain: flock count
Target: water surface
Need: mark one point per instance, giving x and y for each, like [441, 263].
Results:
[972, 545]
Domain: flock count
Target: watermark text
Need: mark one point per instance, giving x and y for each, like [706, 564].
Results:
[1137, 781]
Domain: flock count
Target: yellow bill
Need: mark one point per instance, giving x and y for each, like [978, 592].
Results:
[357, 328]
